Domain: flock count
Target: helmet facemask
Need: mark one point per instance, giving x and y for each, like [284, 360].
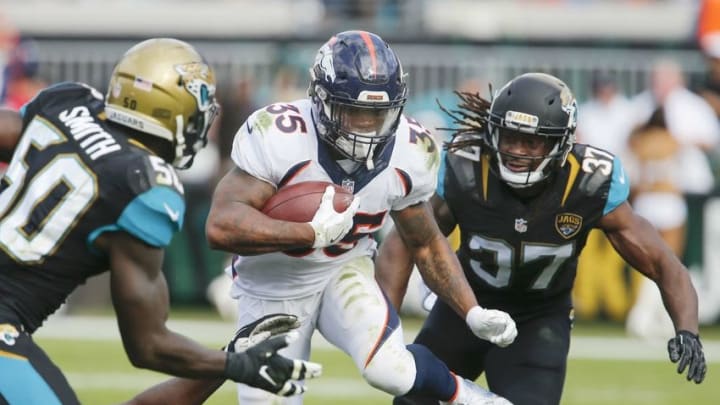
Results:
[539, 167]
[358, 130]
[190, 138]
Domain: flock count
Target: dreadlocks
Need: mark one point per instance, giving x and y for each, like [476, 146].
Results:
[471, 118]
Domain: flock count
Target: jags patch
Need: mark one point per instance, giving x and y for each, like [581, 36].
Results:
[567, 224]
[8, 334]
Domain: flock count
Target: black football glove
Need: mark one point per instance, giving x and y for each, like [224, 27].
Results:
[686, 350]
[252, 357]
[260, 366]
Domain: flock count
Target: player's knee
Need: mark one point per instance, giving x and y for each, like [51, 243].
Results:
[392, 370]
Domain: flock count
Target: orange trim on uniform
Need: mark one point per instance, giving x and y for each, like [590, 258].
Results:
[371, 49]
[404, 180]
[380, 339]
[12, 355]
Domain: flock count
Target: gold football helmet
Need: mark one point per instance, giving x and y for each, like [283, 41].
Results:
[163, 87]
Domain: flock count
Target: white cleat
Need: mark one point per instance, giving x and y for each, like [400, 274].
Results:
[470, 393]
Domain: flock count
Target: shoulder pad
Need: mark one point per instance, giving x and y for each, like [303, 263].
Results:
[463, 169]
[60, 93]
[146, 172]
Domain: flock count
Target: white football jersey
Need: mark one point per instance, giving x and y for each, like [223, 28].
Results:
[279, 144]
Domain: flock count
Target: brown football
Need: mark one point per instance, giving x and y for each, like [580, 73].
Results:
[298, 202]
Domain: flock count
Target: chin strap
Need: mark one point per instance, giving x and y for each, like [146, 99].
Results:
[369, 163]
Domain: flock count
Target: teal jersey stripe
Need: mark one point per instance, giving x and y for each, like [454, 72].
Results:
[619, 187]
[153, 217]
[440, 190]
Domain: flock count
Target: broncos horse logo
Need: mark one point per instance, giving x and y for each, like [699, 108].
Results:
[8, 334]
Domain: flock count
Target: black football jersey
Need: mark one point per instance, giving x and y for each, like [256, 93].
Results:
[73, 176]
[521, 255]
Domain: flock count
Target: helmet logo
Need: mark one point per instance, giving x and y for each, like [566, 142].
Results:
[569, 105]
[324, 60]
[193, 69]
[521, 225]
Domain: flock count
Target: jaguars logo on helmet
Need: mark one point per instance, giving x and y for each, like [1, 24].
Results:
[178, 108]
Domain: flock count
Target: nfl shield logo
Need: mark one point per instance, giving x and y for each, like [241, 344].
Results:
[520, 225]
[348, 185]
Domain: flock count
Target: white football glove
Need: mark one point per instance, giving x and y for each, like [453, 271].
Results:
[492, 325]
[260, 330]
[329, 225]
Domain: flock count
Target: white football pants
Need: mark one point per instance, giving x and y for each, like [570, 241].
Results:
[352, 314]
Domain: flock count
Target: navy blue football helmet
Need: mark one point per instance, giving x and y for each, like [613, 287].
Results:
[358, 92]
[538, 104]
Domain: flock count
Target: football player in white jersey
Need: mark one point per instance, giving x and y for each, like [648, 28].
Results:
[350, 131]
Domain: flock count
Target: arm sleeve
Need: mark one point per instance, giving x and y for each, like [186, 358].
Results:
[249, 150]
[619, 187]
[154, 216]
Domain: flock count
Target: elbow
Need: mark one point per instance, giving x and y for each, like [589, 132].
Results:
[140, 357]
[214, 234]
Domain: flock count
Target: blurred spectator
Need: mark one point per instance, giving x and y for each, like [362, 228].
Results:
[237, 102]
[688, 116]
[20, 76]
[605, 120]
[708, 21]
[655, 165]
[710, 88]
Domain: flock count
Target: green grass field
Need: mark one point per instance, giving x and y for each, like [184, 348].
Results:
[101, 374]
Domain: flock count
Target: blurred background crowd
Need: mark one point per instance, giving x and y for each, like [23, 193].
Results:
[646, 74]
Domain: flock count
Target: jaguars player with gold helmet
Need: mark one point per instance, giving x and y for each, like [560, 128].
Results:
[91, 186]
[525, 196]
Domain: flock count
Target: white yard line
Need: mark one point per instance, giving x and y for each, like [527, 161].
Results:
[215, 333]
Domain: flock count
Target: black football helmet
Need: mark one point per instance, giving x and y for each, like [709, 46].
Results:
[539, 104]
[358, 92]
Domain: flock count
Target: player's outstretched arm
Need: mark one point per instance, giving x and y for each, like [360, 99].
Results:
[443, 274]
[235, 223]
[184, 391]
[10, 131]
[394, 263]
[643, 248]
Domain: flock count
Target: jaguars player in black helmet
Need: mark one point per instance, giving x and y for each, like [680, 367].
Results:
[91, 187]
[525, 196]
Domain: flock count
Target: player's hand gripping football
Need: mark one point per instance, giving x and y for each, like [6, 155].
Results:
[686, 350]
[492, 325]
[253, 359]
[329, 225]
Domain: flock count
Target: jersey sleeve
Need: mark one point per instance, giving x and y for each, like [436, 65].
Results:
[154, 216]
[417, 165]
[619, 187]
[249, 150]
[143, 197]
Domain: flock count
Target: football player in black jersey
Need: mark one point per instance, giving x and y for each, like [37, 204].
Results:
[91, 187]
[525, 196]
